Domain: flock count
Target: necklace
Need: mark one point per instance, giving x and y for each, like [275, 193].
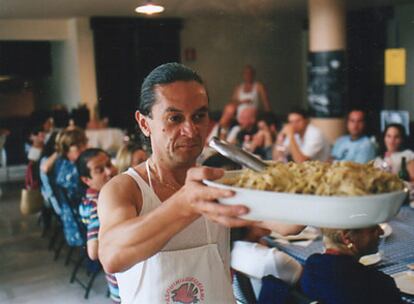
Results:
[172, 187]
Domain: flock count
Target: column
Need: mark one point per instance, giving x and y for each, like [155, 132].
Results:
[326, 65]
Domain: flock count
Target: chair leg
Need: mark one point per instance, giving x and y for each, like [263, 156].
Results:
[77, 266]
[68, 257]
[89, 286]
[59, 249]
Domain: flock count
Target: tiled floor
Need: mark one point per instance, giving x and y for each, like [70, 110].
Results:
[28, 273]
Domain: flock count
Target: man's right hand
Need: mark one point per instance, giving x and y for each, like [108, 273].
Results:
[199, 199]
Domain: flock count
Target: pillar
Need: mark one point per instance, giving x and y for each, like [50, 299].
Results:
[326, 65]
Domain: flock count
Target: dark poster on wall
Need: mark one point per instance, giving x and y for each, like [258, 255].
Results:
[327, 85]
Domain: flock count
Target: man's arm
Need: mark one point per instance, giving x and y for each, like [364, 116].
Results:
[264, 97]
[295, 151]
[126, 238]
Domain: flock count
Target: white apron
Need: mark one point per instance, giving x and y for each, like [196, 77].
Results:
[180, 273]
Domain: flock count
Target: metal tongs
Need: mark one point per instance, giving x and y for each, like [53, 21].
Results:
[237, 154]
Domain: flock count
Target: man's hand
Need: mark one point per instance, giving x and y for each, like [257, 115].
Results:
[199, 199]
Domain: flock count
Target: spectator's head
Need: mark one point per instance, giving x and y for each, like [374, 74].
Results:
[80, 116]
[246, 116]
[355, 123]
[267, 120]
[394, 138]
[60, 117]
[130, 154]
[70, 143]
[356, 242]
[229, 113]
[248, 74]
[299, 120]
[95, 168]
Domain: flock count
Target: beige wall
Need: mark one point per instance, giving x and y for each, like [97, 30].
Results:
[403, 23]
[272, 45]
[73, 78]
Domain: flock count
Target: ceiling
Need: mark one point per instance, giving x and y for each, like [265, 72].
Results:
[174, 8]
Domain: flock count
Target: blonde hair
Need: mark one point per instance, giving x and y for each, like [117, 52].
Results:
[124, 155]
[70, 137]
[333, 237]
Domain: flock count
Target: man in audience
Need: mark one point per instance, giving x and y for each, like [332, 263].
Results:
[95, 170]
[355, 146]
[301, 140]
[246, 119]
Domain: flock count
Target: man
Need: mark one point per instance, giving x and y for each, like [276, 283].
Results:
[301, 140]
[246, 124]
[356, 146]
[95, 170]
[157, 232]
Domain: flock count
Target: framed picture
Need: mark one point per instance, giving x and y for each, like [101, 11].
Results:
[400, 117]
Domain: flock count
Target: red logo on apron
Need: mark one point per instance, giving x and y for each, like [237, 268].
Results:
[185, 291]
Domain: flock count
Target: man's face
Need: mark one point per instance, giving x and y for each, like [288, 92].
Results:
[298, 122]
[75, 151]
[179, 124]
[356, 123]
[101, 171]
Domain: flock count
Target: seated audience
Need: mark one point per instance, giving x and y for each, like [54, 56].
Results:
[336, 276]
[251, 91]
[129, 155]
[70, 144]
[227, 120]
[393, 149]
[355, 146]
[261, 142]
[246, 124]
[95, 170]
[300, 140]
[257, 261]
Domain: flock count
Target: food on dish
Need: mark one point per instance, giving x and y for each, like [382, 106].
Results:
[318, 178]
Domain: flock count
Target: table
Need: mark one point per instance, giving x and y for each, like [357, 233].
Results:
[398, 247]
[109, 139]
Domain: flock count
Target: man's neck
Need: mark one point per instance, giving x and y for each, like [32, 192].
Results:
[168, 171]
[355, 137]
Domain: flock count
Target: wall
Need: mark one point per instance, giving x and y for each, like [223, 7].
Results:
[73, 65]
[401, 34]
[272, 45]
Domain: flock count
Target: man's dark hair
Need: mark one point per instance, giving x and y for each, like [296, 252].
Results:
[302, 112]
[163, 74]
[84, 157]
[357, 110]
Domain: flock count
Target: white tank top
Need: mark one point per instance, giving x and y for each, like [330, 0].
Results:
[181, 263]
[252, 95]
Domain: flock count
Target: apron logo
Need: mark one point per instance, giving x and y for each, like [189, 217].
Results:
[185, 291]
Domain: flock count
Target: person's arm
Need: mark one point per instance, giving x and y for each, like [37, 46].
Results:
[410, 169]
[126, 238]
[92, 248]
[49, 163]
[294, 148]
[264, 97]
[235, 95]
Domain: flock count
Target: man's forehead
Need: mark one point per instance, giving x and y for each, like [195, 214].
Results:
[179, 93]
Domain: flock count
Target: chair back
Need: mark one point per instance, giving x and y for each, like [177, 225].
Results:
[243, 289]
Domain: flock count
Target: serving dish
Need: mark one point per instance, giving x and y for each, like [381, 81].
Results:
[344, 212]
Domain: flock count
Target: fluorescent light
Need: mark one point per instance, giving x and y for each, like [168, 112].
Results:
[149, 8]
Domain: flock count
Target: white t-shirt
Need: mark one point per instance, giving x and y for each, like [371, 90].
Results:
[394, 161]
[313, 145]
[258, 261]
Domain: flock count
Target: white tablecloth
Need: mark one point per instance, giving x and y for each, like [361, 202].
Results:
[109, 139]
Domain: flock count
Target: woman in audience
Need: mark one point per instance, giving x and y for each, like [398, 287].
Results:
[251, 91]
[336, 276]
[393, 149]
[129, 155]
[257, 261]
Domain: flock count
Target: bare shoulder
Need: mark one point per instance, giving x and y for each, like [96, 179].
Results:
[119, 200]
